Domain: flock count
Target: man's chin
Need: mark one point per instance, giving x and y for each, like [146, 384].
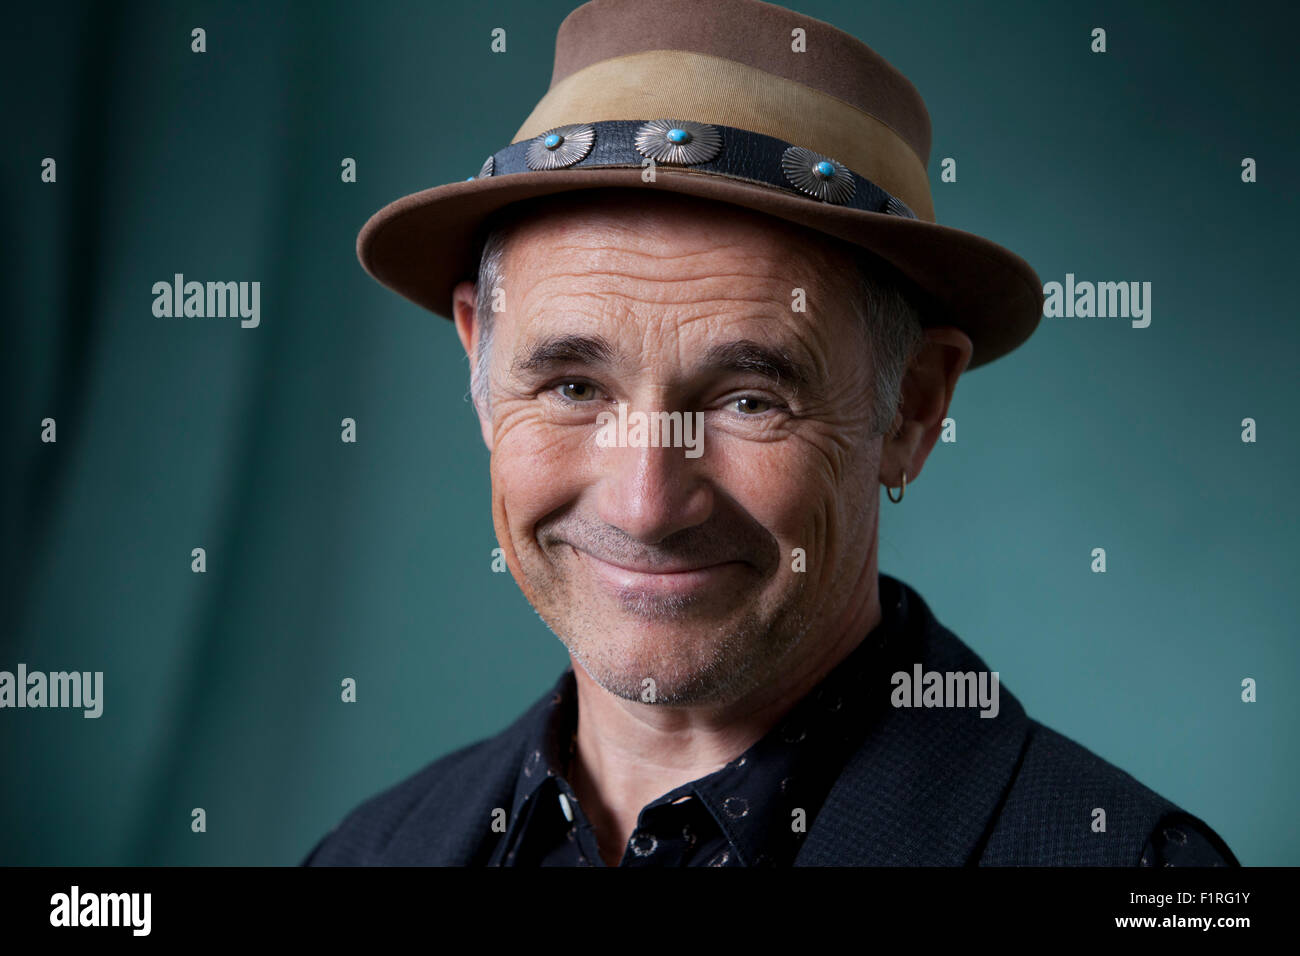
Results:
[657, 655]
[697, 644]
[660, 622]
[652, 679]
[635, 608]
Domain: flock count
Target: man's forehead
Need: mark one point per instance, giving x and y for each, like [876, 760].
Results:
[668, 300]
[669, 265]
[664, 234]
[668, 268]
[677, 314]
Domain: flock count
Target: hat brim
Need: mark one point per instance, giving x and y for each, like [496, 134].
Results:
[423, 244]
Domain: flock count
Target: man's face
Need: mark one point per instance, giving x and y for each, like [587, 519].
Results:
[698, 571]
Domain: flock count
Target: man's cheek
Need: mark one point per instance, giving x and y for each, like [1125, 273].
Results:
[783, 488]
[536, 469]
[524, 429]
[776, 482]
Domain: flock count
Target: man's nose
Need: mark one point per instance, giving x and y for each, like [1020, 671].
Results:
[651, 493]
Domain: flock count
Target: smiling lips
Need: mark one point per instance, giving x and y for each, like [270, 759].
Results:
[676, 578]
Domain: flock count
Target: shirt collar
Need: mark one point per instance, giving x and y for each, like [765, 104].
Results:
[550, 743]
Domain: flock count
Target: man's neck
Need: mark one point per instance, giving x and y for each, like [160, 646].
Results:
[629, 753]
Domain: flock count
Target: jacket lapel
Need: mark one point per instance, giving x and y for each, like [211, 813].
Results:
[927, 783]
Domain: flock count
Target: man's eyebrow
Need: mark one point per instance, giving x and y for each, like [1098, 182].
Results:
[742, 355]
[556, 350]
[745, 355]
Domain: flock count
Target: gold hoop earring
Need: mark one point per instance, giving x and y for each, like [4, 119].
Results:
[901, 490]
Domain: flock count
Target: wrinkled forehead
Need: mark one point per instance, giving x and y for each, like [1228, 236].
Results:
[672, 269]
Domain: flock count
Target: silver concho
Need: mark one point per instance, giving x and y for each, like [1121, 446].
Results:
[561, 146]
[678, 142]
[819, 176]
[896, 207]
[486, 169]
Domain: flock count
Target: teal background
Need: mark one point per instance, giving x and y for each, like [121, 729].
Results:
[328, 560]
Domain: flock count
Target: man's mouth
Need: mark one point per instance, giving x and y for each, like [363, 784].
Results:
[667, 578]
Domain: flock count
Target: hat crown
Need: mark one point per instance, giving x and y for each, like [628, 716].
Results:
[741, 63]
[757, 34]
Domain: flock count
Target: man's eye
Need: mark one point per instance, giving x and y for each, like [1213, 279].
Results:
[578, 391]
[749, 405]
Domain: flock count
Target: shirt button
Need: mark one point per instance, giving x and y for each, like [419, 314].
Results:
[642, 843]
[736, 807]
[565, 808]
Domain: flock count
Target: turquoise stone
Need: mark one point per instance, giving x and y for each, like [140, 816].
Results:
[554, 140]
[824, 170]
[678, 136]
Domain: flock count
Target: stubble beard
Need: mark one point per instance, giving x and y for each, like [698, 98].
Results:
[725, 663]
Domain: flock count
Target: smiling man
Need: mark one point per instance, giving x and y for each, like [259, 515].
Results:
[747, 688]
[674, 581]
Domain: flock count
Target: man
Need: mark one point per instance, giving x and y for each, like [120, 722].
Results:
[697, 344]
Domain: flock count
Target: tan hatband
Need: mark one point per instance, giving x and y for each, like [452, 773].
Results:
[672, 84]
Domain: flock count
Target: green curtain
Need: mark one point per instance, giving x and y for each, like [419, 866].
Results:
[371, 560]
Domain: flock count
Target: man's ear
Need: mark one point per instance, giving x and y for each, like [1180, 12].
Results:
[463, 303]
[924, 398]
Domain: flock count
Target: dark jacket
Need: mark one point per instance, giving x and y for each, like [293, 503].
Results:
[928, 787]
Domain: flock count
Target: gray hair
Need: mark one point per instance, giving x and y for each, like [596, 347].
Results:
[489, 279]
[886, 310]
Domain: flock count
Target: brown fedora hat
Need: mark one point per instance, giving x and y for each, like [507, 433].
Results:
[738, 101]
